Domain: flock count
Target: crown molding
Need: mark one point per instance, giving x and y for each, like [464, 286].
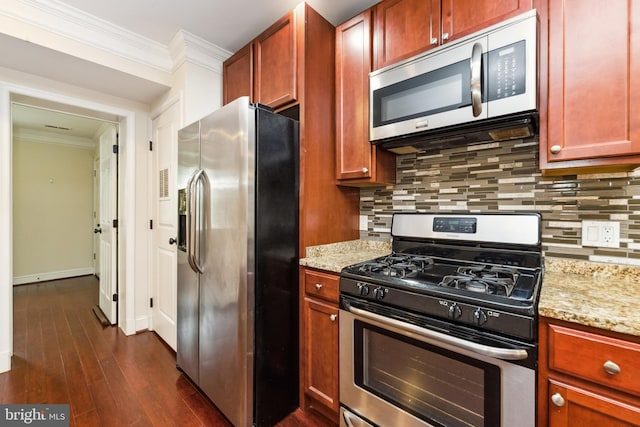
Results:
[61, 19]
[66, 21]
[44, 137]
[187, 47]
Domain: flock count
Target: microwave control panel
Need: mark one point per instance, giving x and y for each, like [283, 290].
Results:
[506, 71]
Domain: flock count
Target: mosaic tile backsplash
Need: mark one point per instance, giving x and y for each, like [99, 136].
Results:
[504, 177]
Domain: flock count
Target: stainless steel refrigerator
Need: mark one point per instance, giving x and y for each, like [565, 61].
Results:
[238, 261]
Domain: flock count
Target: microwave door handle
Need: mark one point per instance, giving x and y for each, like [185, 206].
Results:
[485, 350]
[476, 83]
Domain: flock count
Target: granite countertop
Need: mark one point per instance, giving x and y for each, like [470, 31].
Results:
[335, 256]
[605, 296]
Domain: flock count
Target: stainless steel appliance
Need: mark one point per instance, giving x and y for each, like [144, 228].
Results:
[442, 331]
[482, 87]
[238, 261]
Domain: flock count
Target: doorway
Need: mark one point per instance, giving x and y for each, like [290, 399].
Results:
[65, 193]
[126, 244]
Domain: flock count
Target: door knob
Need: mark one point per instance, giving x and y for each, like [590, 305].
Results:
[172, 241]
[97, 230]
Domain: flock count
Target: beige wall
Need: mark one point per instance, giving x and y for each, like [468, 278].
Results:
[52, 211]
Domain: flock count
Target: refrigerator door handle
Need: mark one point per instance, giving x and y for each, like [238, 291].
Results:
[192, 208]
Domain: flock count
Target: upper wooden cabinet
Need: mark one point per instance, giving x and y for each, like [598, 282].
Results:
[593, 106]
[404, 28]
[275, 63]
[238, 75]
[358, 162]
[266, 68]
[291, 67]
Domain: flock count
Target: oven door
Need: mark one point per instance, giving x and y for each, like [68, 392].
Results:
[398, 374]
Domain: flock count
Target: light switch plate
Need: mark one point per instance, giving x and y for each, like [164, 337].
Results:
[604, 234]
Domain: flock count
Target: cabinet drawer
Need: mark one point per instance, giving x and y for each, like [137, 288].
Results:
[321, 285]
[604, 360]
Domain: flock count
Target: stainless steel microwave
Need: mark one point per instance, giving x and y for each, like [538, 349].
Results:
[482, 86]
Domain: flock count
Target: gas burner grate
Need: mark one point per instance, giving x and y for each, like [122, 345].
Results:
[493, 280]
[398, 265]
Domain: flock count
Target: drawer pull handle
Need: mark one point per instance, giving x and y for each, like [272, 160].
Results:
[333, 317]
[557, 399]
[318, 286]
[611, 367]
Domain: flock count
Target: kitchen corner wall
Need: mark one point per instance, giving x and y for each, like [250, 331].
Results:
[504, 177]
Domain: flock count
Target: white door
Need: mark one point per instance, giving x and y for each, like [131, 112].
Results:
[108, 215]
[164, 263]
[96, 215]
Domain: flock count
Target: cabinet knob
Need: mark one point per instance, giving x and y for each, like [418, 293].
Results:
[555, 149]
[445, 37]
[557, 399]
[318, 286]
[434, 41]
[365, 170]
[611, 368]
[333, 317]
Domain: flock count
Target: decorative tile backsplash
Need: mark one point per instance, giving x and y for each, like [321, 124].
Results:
[504, 177]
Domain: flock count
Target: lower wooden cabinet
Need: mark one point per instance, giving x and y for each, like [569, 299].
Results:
[574, 406]
[319, 343]
[588, 377]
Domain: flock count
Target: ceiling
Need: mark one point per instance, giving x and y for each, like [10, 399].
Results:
[228, 25]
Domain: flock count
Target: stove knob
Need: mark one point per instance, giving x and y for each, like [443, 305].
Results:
[479, 317]
[378, 293]
[363, 290]
[455, 312]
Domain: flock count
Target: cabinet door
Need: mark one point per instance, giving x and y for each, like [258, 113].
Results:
[594, 80]
[358, 162]
[276, 63]
[353, 64]
[462, 17]
[572, 406]
[321, 352]
[238, 75]
[404, 28]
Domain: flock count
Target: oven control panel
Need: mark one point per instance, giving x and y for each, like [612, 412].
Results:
[455, 225]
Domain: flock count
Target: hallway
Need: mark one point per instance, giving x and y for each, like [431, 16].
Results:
[62, 354]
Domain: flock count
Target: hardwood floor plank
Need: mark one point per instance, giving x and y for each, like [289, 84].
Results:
[62, 354]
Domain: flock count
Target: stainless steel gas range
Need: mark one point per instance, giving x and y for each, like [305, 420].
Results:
[443, 330]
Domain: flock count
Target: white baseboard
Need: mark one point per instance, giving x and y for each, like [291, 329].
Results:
[142, 323]
[52, 275]
[5, 361]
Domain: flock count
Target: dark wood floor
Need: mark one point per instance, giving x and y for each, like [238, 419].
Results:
[62, 354]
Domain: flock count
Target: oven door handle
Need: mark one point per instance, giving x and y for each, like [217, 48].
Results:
[485, 350]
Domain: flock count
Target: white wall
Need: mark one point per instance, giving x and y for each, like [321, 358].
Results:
[52, 211]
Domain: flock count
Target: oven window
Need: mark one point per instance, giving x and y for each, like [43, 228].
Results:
[436, 385]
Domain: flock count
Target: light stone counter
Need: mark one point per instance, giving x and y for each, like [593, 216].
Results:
[605, 296]
[335, 256]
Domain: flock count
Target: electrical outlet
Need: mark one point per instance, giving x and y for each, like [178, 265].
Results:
[605, 234]
[363, 222]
